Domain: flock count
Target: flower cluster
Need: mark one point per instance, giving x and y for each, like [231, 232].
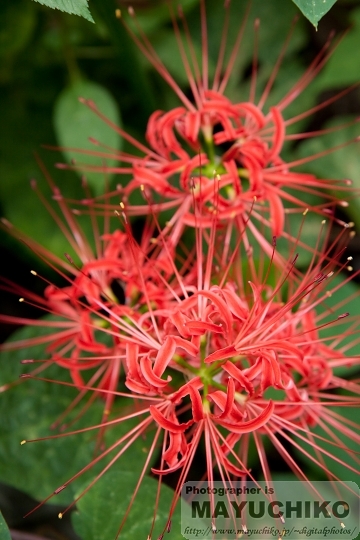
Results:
[210, 337]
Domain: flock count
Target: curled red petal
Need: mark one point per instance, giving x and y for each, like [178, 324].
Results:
[164, 356]
[200, 327]
[236, 305]
[146, 176]
[221, 354]
[196, 404]
[279, 133]
[186, 345]
[136, 386]
[149, 375]
[132, 354]
[195, 383]
[221, 305]
[179, 464]
[277, 213]
[239, 376]
[167, 424]
[224, 400]
[192, 126]
[251, 425]
[230, 394]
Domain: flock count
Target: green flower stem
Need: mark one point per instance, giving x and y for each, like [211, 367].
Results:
[210, 148]
[183, 363]
[206, 373]
[69, 55]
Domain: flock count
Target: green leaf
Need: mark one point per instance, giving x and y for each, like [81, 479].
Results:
[100, 511]
[74, 7]
[74, 123]
[4, 531]
[28, 409]
[25, 128]
[26, 412]
[314, 10]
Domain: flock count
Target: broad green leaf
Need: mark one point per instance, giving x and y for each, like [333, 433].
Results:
[314, 10]
[74, 123]
[74, 7]
[27, 411]
[25, 128]
[4, 531]
[100, 511]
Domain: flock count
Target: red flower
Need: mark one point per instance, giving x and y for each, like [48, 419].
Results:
[106, 304]
[251, 364]
[248, 184]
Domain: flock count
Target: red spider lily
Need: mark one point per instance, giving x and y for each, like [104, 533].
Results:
[276, 345]
[253, 183]
[253, 365]
[244, 416]
[106, 303]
